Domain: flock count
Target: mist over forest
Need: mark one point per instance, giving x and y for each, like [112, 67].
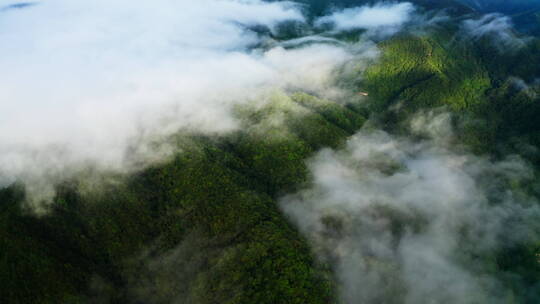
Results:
[250, 151]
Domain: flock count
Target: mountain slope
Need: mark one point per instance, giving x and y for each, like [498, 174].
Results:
[214, 204]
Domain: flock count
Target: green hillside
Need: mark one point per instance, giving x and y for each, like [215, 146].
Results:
[216, 200]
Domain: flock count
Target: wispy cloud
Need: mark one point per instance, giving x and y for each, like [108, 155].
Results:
[382, 18]
[405, 221]
[498, 28]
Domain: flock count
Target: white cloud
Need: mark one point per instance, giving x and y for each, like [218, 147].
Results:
[86, 82]
[387, 18]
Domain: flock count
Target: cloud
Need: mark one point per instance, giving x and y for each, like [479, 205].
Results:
[103, 85]
[383, 18]
[96, 84]
[16, 6]
[520, 85]
[405, 221]
[310, 40]
[497, 27]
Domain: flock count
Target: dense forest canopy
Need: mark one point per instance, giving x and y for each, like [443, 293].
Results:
[227, 151]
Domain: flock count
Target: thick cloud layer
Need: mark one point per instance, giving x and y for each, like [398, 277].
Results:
[93, 83]
[100, 84]
[404, 221]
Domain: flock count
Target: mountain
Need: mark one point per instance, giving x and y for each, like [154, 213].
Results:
[212, 224]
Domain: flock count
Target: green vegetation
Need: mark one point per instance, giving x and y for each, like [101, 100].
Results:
[421, 72]
[469, 79]
[493, 114]
[221, 190]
